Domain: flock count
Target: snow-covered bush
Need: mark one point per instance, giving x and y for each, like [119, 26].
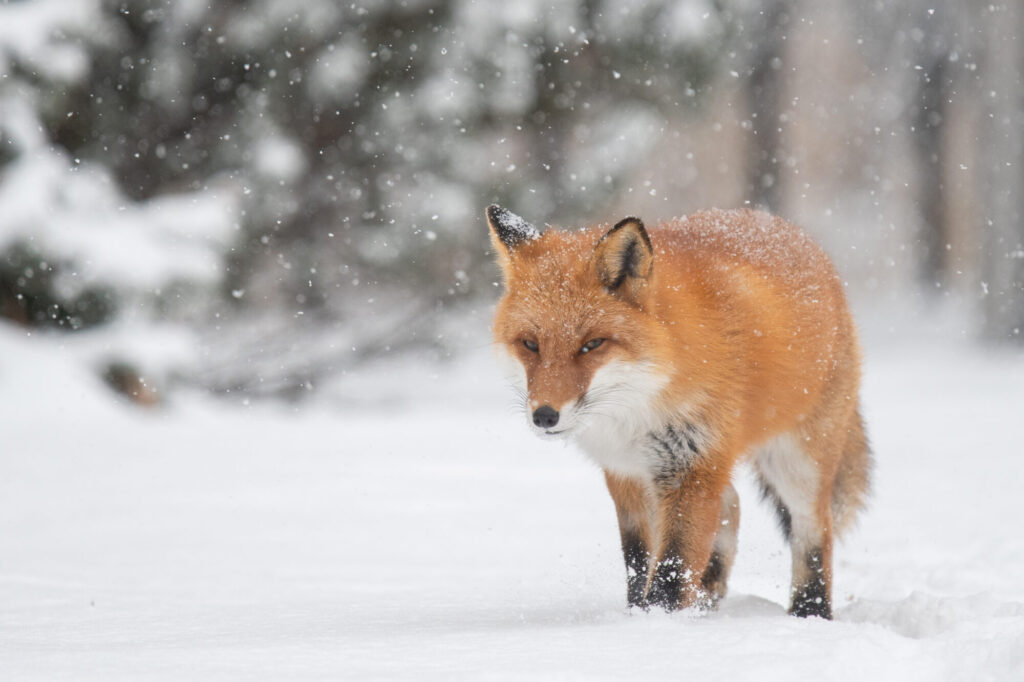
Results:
[363, 141]
[77, 253]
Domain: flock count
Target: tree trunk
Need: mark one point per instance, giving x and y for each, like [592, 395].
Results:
[1003, 173]
[930, 151]
[765, 91]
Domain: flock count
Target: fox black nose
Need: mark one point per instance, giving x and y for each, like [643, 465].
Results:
[545, 417]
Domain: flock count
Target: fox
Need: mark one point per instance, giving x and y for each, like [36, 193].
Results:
[670, 355]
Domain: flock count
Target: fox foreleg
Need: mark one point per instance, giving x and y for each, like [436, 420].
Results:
[689, 513]
[634, 511]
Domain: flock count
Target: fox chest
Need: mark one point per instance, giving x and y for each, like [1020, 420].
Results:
[653, 452]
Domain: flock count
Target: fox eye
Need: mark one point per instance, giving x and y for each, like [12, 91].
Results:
[591, 345]
[531, 345]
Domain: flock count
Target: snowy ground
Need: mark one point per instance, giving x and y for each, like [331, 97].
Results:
[437, 539]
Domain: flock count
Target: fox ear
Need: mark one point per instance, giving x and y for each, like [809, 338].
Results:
[624, 259]
[509, 229]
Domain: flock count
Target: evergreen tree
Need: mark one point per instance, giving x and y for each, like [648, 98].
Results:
[367, 138]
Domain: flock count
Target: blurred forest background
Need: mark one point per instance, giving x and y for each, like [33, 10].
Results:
[255, 196]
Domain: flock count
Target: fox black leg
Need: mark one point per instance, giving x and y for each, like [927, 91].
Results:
[810, 538]
[714, 575]
[666, 581]
[811, 596]
[635, 553]
[715, 580]
[632, 507]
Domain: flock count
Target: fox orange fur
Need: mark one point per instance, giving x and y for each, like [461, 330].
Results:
[672, 354]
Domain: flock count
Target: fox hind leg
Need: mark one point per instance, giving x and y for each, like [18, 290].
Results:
[802, 496]
[723, 552]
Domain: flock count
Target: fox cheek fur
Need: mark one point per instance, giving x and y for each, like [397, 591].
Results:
[670, 356]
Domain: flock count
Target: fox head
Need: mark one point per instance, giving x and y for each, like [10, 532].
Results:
[576, 315]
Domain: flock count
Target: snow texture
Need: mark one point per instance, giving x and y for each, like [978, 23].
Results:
[436, 538]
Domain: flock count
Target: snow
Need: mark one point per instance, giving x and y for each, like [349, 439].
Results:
[36, 33]
[339, 71]
[430, 536]
[280, 158]
[692, 23]
[74, 212]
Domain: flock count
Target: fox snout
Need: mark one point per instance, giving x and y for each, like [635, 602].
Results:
[547, 420]
[545, 417]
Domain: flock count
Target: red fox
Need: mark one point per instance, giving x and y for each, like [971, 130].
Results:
[671, 354]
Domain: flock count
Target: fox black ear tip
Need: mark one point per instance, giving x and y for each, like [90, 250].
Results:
[627, 220]
[493, 211]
